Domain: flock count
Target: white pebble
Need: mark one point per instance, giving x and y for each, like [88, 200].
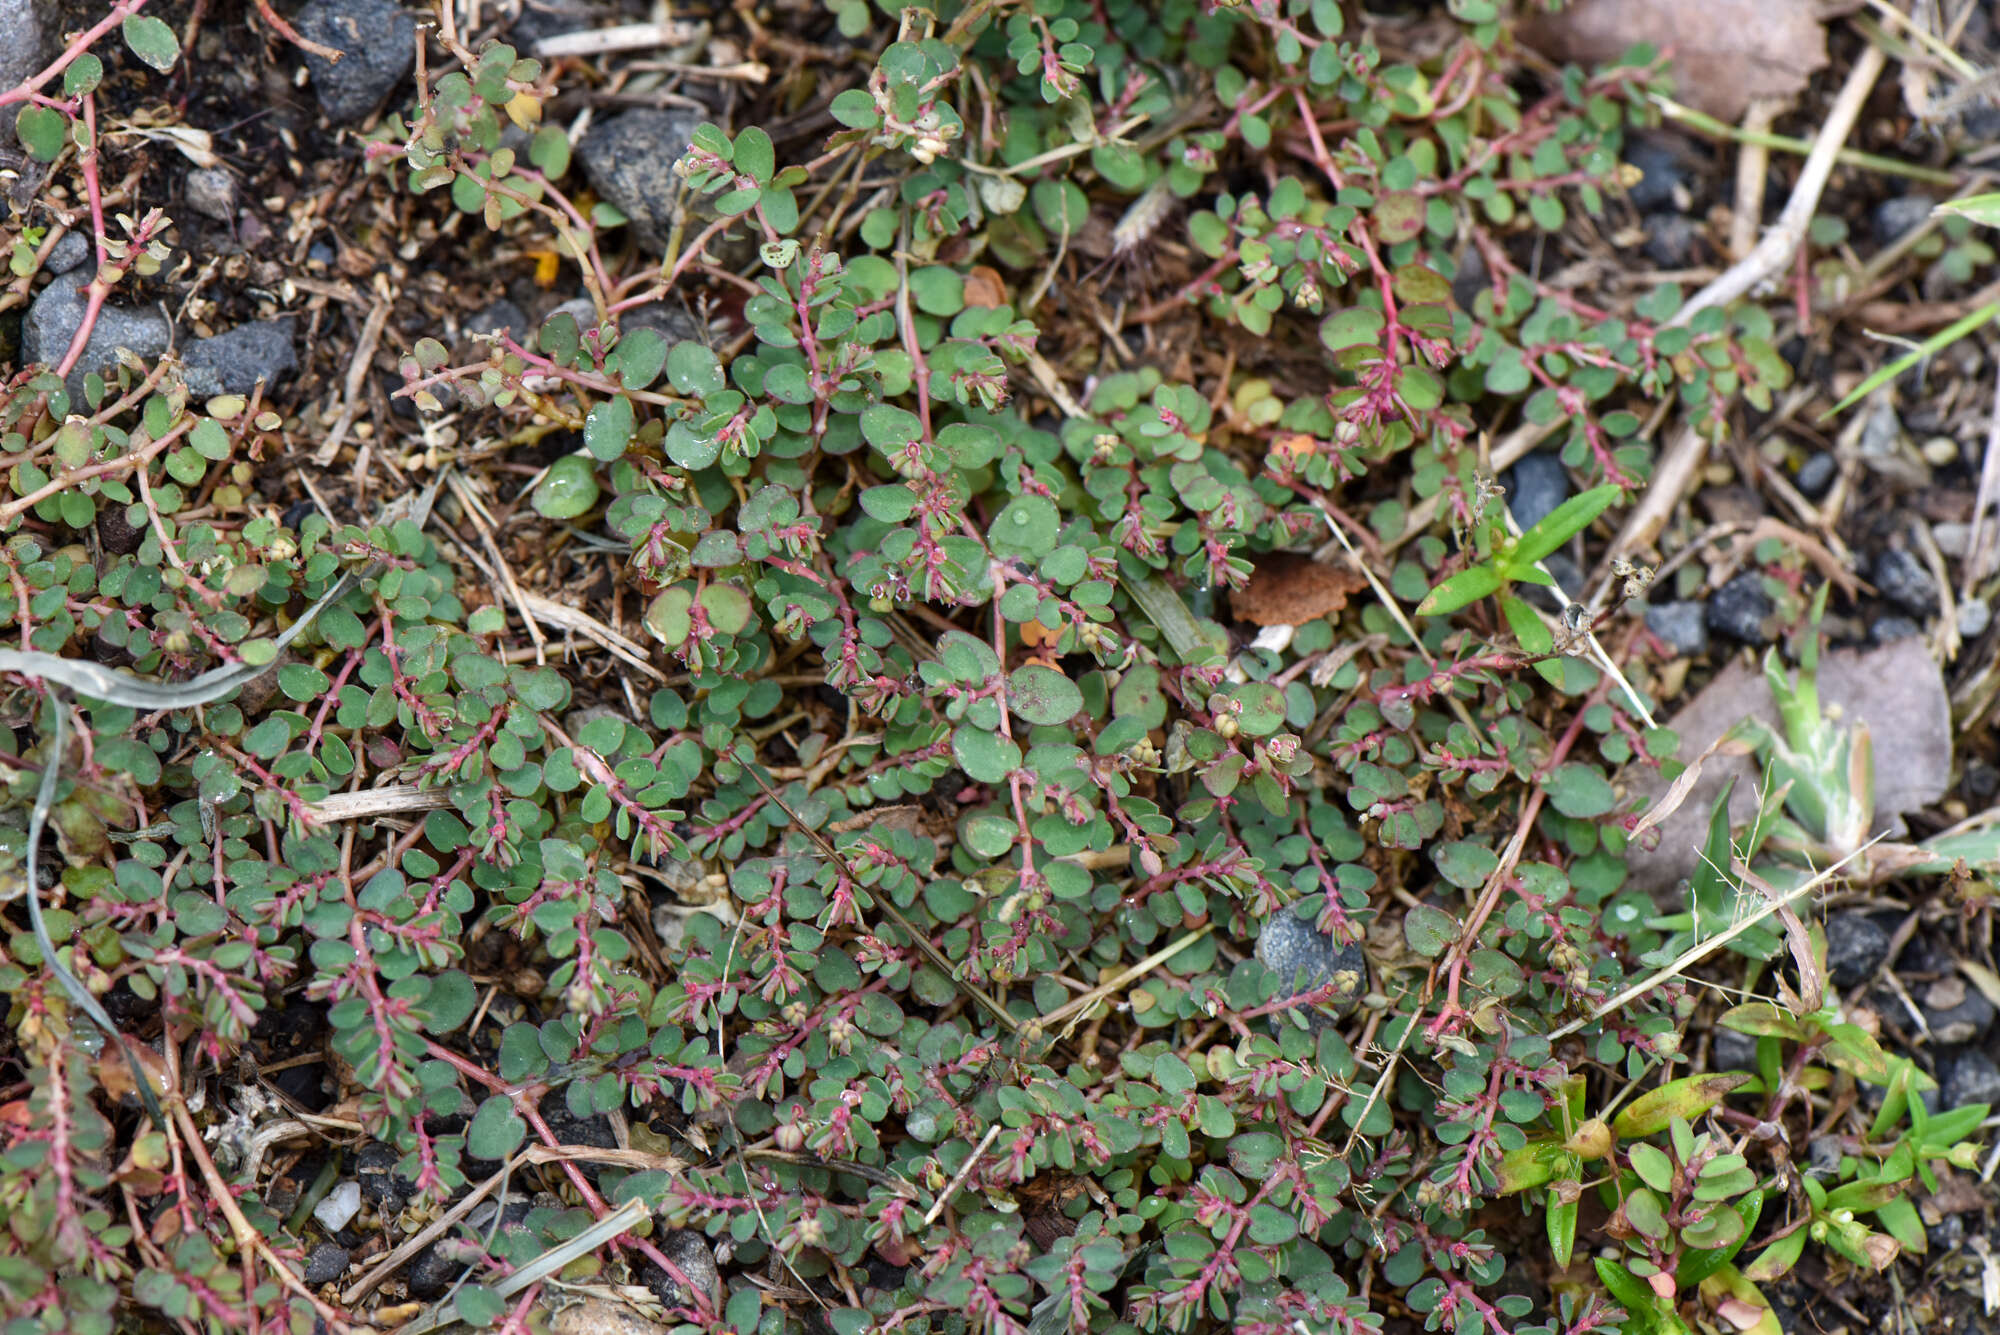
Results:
[1973, 617]
[339, 1206]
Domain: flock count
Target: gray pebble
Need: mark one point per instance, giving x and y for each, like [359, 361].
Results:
[58, 313]
[234, 363]
[1885, 630]
[1856, 945]
[1945, 1235]
[381, 1186]
[1732, 1051]
[435, 1270]
[1305, 958]
[503, 316]
[630, 162]
[1823, 1157]
[72, 250]
[1955, 1012]
[1665, 174]
[690, 1252]
[326, 1263]
[1881, 431]
[1670, 239]
[1970, 1077]
[1535, 486]
[670, 319]
[1974, 616]
[1683, 627]
[1902, 579]
[1738, 609]
[1816, 475]
[25, 29]
[378, 45]
[211, 192]
[1893, 217]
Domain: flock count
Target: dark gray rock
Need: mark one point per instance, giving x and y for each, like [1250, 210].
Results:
[378, 45]
[1856, 945]
[1902, 579]
[1732, 1051]
[72, 250]
[381, 1185]
[435, 1270]
[235, 362]
[211, 192]
[1306, 958]
[1893, 217]
[1955, 1012]
[1665, 183]
[502, 317]
[1738, 609]
[326, 1263]
[690, 1253]
[630, 162]
[58, 313]
[1682, 627]
[1970, 1077]
[1569, 580]
[1535, 486]
[670, 319]
[1671, 239]
[1884, 630]
[27, 30]
[1816, 475]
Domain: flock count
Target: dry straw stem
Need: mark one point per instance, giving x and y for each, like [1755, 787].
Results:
[1681, 462]
[1701, 950]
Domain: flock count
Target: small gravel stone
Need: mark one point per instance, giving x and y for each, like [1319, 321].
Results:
[1855, 947]
[234, 363]
[1738, 609]
[1732, 1051]
[1307, 958]
[1974, 616]
[1665, 175]
[339, 1206]
[72, 250]
[1970, 1077]
[1823, 1157]
[1946, 1234]
[1535, 486]
[1683, 627]
[25, 29]
[690, 1252]
[211, 192]
[1884, 630]
[1880, 432]
[58, 313]
[1816, 475]
[630, 161]
[1956, 1013]
[1670, 239]
[671, 320]
[381, 1185]
[1568, 578]
[434, 1271]
[502, 317]
[1893, 217]
[1902, 579]
[327, 1263]
[595, 1316]
[378, 45]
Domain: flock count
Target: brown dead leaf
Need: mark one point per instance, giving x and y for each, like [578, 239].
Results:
[1289, 589]
[1725, 52]
[984, 287]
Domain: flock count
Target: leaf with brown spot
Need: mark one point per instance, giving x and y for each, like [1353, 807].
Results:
[1725, 52]
[1289, 589]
